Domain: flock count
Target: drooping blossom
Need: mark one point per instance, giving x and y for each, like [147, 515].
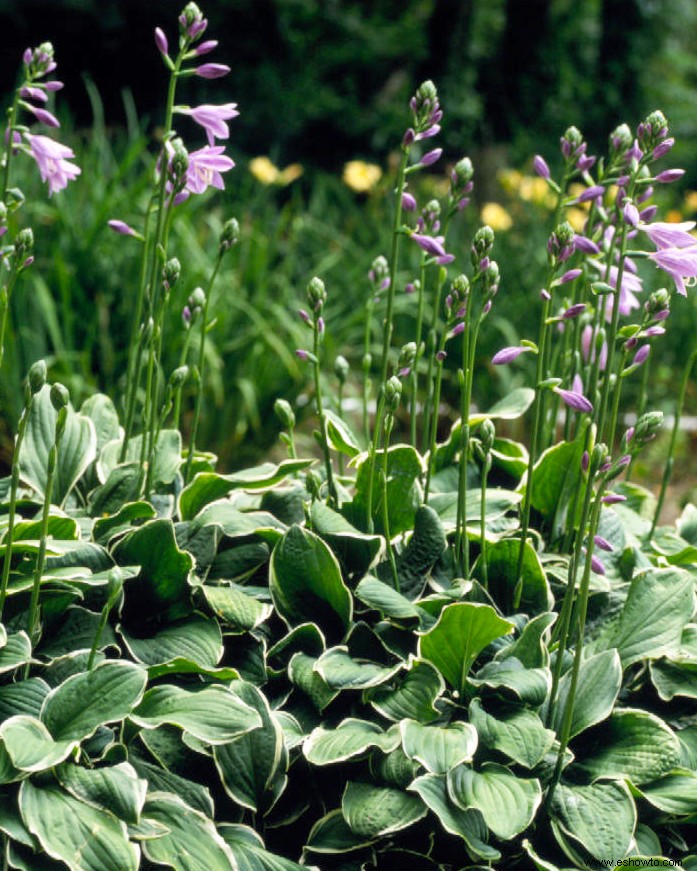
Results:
[631, 285]
[212, 119]
[679, 263]
[205, 168]
[432, 245]
[574, 400]
[507, 355]
[212, 71]
[670, 175]
[52, 159]
[431, 157]
[43, 115]
[539, 165]
[122, 228]
[665, 235]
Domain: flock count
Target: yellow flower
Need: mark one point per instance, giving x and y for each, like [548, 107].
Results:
[577, 218]
[510, 179]
[496, 217]
[263, 170]
[292, 172]
[691, 201]
[361, 176]
[673, 216]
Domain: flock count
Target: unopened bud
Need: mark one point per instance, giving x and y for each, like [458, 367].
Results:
[37, 376]
[230, 234]
[171, 272]
[284, 413]
[179, 376]
[197, 298]
[24, 243]
[393, 394]
[316, 293]
[487, 434]
[60, 396]
[341, 368]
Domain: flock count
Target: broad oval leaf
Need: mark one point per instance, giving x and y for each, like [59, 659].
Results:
[517, 732]
[374, 811]
[84, 837]
[195, 638]
[350, 738]
[530, 685]
[674, 794]
[601, 818]
[439, 748]
[502, 573]
[331, 835]
[463, 630]
[340, 671]
[77, 450]
[116, 788]
[306, 584]
[507, 803]
[236, 608]
[249, 852]
[213, 714]
[78, 706]
[413, 695]
[30, 746]
[599, 682]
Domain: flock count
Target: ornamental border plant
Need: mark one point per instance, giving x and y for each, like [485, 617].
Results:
[462, 653]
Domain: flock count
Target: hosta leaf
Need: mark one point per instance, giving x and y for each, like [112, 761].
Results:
[355, 550]
[301, 670]
[466, 824]
[30, 745]
[374, 811]
[659, 605]
[106, 527]
[600, 817]
[404, 471]
[530, 648]
[85, 701]
[340, 435]
[162, 586]
[498, 503]
[249, 852]
[122, 487]
[77, 450]
[599, 682]
[25, 697]
[306, 584]
[331, 834]
[673, 679]
[422, 552]
[167, 456]
[463, 630]
[236, 608]
[515, 731]
[213, 714]
[349, 739]
[555, 479]
[84, 837]
[507, 803]
[209, 486]
[530, 685]
[439, 748]
[502, 573]
[340, 671]
[196, 638]
[675, 793]
[116, 788]
[191, 842]
[253, 767]
[636, 745]
[77, 631]
[161, 780]
[15, 652]
[384, 598]
[411, 695]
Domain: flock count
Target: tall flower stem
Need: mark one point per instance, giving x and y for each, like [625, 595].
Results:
[59, 397]
[486, 466]
[5, 295]
[641, 406]
[333, 500]
[576, 668]
[114, 586]
[178, 389]
[439, 358]
[385, 504]
[200, 368]
[668, 469]
[33, 386]
[366, 363]
[414, 378]
[11, 121]
[469, 339]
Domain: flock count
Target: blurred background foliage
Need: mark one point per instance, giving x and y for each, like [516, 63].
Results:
[320, 83]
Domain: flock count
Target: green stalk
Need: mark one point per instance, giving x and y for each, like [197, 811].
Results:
[367, 361]
[11, 121]
[333, 500]
[414, 378]
[486, 465]
[431, 408]
[178, 391]
[41, 557]
[385, 505]
[201, 363]
[434, 419]
[668, 469]
[576, 668]
[114, 586]
[641, 405]
[465, 378]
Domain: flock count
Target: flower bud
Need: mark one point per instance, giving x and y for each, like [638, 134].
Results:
[341, 368]
[487, 434]
[284, 413]
[492, 277]
[37, 376]
[24, 243]
[460, 288]
[179, 163]
[114, 586]
[572, 144]
[462, 173]
[647, 426]
[393, 393]
[316, 293]
[230, 235]
[191, 21]
[621, 139]
[197, 300]
[482, 244]
[171, 272]
[179, 376]
[60, 396]
[658, 301]
[406, 359]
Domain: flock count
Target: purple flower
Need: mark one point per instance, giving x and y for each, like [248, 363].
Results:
[457, 330]
[613, 498]
[585, 245]
[429, 133]
[122, 227]
[212, 119]
[641, 355]
[206, 47]
[585, 461]
[54, 86]
[570, 275]
[302, 354]
[205, 168]
[655, 330]
[665, 235]
[212, 71]
[44, 116]
[648, 213]
[591, 193]
[539, 164]
[161, 41]
[545, 295]
[588, 351]
[662, 148]
[430, 244]
[408, 202]
[630, 213]
[507, 355]
[631, 284]
[52, 160]
[679, 263]
[634, 153]
[431, 157]
[574, 310]
[669, 175]
[441, 355]
[585, 162]
[597, 565]
[29, 93]
[576, 401]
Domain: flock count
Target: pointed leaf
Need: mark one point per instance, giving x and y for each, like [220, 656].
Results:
[599, 682]
[439, 748]
[350, 738]
[516, 732]
[374, 811]
[30, 745]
